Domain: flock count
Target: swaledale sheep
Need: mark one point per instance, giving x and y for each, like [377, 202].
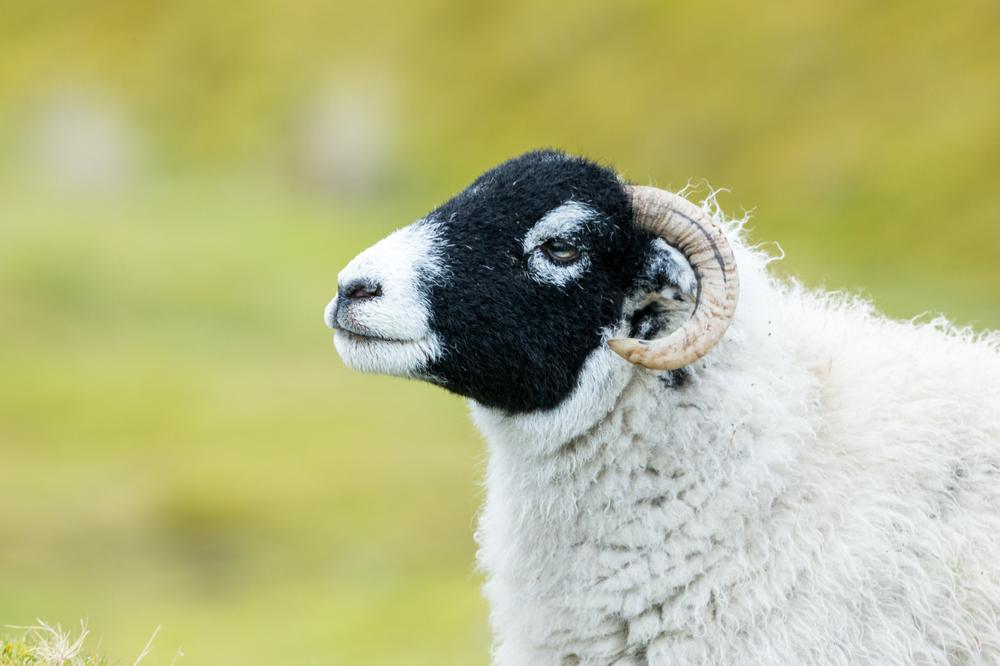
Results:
[779, 476]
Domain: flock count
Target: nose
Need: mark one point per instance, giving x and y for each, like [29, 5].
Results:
[361, 290]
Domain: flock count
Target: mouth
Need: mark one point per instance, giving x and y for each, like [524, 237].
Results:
[387, 356]
[367, 338]
[404, 351]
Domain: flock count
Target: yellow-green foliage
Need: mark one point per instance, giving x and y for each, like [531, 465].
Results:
[179, 444]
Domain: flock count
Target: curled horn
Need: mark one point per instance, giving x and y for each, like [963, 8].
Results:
[703, 243]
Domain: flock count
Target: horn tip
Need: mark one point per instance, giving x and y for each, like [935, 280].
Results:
[627, 348]
[620, 346]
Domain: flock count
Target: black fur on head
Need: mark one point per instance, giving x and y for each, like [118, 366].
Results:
[517, 323]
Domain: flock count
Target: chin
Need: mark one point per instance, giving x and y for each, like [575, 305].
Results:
[383, 356]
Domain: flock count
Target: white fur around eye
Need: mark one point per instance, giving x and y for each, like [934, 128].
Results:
[562, 222]
[545, 270]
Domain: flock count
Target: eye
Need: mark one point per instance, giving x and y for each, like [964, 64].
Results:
[560, 251]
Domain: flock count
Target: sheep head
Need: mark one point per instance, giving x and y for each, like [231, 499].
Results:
[503, 292]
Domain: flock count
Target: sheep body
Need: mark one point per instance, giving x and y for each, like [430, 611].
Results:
[823, 488]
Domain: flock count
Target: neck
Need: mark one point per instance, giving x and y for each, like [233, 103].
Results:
[630, 474]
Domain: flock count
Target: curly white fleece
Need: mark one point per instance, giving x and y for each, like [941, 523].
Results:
[824, 489]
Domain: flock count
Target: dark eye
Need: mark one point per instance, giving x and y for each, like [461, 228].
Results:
[560, 251]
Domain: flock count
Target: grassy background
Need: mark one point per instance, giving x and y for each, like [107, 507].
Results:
[179, 444]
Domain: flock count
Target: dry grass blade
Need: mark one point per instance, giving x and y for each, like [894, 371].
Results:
[53, 646]
[149, 644]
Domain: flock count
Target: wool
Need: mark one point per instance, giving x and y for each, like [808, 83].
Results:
[824, 488]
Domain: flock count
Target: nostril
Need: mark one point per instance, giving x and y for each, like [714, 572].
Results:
[361, 291]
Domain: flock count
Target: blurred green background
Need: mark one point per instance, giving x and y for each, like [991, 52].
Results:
[181, 181]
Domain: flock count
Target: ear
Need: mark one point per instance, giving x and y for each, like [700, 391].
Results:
[665, 292]
[667, 275]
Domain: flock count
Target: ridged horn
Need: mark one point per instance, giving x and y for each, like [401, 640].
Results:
[703, 243]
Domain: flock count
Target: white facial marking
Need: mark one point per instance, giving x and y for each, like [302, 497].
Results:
[330, 314]
[563, 222]
[390, 333]
[387, 357]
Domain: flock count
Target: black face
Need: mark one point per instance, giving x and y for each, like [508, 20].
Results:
[517, 323]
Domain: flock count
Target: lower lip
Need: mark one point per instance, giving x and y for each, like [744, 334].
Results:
[369, 339]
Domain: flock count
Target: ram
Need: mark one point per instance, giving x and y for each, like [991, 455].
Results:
[690, 460]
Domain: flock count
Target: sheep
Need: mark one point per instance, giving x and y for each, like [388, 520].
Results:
[779, 475]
